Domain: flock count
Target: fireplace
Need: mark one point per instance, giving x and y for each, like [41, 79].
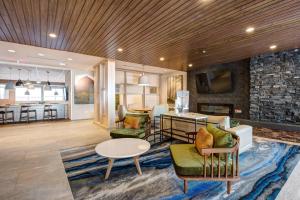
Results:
[215, 109]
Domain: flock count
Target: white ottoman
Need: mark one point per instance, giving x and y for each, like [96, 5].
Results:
[245, 134]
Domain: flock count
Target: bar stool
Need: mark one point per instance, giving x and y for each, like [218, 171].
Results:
[53, 113]
[25, 113]
[5, 115]
[49, 112]
[2, 116]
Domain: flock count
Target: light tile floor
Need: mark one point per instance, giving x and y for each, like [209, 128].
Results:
[31, 166]
[30, 162]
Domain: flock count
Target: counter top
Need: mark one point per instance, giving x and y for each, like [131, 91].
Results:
[34, 104]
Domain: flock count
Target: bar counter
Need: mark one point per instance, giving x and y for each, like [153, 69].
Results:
[62, 110]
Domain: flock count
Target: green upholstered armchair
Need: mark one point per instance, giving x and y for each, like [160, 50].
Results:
[143, 132]
[213, 164]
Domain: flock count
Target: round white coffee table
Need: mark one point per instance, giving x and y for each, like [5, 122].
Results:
[122, 148]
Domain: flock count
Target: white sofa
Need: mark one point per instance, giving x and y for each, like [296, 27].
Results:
[243, 131]
[245, 134]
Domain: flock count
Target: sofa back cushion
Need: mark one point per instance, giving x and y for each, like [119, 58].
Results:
[143, 117]
[204, 139]
[132, 122]
[222, 139]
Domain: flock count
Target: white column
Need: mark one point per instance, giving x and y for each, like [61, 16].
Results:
[111, 93]
[105, 93]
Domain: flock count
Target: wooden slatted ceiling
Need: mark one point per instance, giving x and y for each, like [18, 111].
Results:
[149, 29]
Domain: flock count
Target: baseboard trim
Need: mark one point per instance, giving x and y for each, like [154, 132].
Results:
[271, 125]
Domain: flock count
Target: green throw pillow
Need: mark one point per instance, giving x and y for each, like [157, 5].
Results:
[234, 123]
[222, 139]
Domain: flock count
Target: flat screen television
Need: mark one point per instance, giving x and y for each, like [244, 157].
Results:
[218, 81]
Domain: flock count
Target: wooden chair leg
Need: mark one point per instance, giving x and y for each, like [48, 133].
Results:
[13, 116]
[228, 187]
[3, 121]
[185, 186]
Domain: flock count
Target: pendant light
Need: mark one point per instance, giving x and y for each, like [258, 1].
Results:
[143, 79]
[19, 83]
[27, 93]
[47, 86]
[10, 84]
[28, 82]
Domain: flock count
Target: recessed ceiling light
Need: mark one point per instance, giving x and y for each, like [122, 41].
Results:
[120, 49]
[62, 64]
[70, 59]
[250, 30]
[11, 51]
[203, 51]
[53, 35]
[41, 54]
[190, 65]
[161, 58]
[273, 46]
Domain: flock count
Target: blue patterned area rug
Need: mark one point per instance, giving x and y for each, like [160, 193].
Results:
[264, 169]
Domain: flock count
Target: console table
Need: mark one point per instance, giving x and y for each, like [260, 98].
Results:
[193, 119]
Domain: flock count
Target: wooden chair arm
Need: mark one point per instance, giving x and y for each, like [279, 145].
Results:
[191, 133]
[148, 125]
[220, 150]
[147, 129]
[119, 121]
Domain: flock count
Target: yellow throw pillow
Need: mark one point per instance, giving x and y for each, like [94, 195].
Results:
[204, 139]
[132, 122]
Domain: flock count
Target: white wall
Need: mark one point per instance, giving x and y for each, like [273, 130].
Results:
[79, 111]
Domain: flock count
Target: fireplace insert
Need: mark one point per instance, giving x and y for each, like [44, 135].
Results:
[215, 109]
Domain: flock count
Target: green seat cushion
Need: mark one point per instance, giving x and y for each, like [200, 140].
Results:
[222, 139]
[127, 133]
[142, 116]
[188, 162]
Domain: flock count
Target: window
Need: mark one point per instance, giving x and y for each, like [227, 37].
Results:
[134, 96]
[56, 94]
[3, 92]
[34, 94]
[134, 101]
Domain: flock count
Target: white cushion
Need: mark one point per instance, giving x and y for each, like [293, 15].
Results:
[245, 134]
